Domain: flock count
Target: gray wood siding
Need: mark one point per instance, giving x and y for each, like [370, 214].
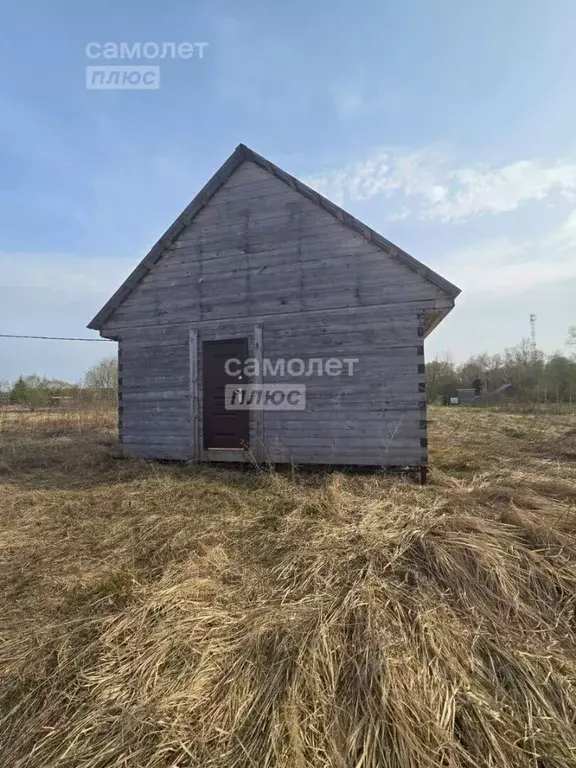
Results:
[374, 417]
[260, 248]
[260, 254]
[154, 390]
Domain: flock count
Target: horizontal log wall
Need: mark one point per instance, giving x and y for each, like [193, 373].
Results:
[259, 248]
[260, 254]
[375, 416]
[154, 392]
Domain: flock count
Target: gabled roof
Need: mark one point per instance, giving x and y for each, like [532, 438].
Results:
[241, 154]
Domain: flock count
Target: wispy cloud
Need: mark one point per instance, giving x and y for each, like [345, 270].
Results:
[508, 267]
[565, 235]
[429, 186]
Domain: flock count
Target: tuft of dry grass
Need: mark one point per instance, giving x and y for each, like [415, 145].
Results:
[177, 615]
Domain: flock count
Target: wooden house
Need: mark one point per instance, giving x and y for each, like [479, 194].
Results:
[466, 396]
[268, 324]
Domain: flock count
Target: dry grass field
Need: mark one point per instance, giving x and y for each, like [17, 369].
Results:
[156, 615]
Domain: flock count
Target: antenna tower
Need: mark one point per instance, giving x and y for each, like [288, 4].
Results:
[533, 334]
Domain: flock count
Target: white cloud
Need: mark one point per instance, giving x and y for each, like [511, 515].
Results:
[506, 267]
[431, 187]
[565, 235]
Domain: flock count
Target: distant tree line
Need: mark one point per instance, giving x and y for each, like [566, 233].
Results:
[535, 376]
[34, 391]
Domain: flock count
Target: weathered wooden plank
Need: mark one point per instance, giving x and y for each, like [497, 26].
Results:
[138, 376]
[151, 450]
[145, 385]
[158, 438]
[237, 204]
[161, 366]
[348, 444]
[248, 297]
[231, 307]
[341, 318]
[264, 235]
[277, 252]
[265, 278]
[157, 395]
[384, 439]
[254, 221]
[349, 405]
[167, 334]
[352, 416]
[143, 421]
[257, 434]
[260, 284]
[141, 348]
[179, 410]
[194, 396]
[306, 276]
[351, 458]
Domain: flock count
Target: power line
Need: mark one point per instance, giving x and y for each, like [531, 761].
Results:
[52, 338]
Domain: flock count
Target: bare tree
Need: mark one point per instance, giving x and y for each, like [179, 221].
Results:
[103, 375]
[441, 378]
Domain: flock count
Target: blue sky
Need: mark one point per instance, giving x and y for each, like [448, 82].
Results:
[447, 126]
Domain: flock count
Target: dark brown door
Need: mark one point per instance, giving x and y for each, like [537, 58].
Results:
[223, 428]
